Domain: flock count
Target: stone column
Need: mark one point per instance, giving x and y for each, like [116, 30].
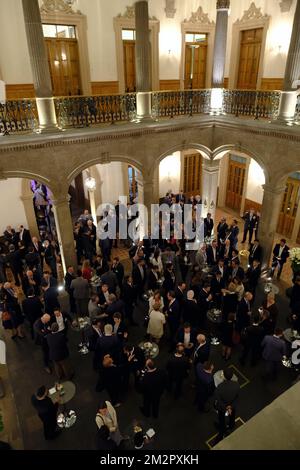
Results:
[220, 43]
[39, 65]
[143, 62]
[30, 215]
[292, 73]
[210, 186]
[216, 100]
[269, 220]
[64, 229]
[296, 228]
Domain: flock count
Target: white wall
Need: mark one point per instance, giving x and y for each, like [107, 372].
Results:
[11, 208]
[256, 180]
[169, 174]
[14, 57]
[112, 180]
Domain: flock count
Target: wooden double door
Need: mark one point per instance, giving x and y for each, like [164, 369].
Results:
[235, 185]
[289, 208]
[192, 177]
[250, 53]
[63, 57]
[199, 66]
[129, 66]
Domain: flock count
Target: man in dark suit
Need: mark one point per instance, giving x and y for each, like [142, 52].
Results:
[177, 368]
[281, 253]
[139, 277]
[153, 384]
[50, 298]
[42, 328]
[252, 342]
[243, 314]
[253, 275]
[119, 328]
[59, 353]
[212, 253]
[208, 226]
[205, 385]
[107, 344]
[250, 221]
[129, 296]
[11, 236]
[202, 350]
[188, 337]
[190, 313]
[47, 412]
[133, 361]
[255, 252]
[13, 258]
[222, 269]
[32, 308]
[114, 306]
[235, 270]
[217, 284]
[204, 302]
[24, 236]
[180, 198]
[222, 230]
[180, 294]
[69, 277]
[118, 269]
[33, 260]
[152, 278]
[173, 315]
[226, 396]
[274, 349]
[31, 279]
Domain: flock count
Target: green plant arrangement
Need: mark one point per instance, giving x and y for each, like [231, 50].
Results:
[295, 260]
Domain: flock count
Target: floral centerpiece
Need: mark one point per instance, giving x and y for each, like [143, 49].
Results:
[295, 260]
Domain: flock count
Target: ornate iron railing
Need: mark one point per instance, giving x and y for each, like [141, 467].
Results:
[18, 116]
[179, 103]
[83, 111]
[259, 104]
[297, 113]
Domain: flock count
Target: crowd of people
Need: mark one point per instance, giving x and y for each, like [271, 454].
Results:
[176, 288]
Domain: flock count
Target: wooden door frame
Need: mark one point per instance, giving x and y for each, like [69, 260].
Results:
[205, 26]
[188, 44]
[128, 22]
[80, 22]
[252, 19]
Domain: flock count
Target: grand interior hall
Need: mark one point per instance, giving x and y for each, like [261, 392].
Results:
[125, 326]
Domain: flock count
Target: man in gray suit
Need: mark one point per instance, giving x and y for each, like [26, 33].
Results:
[201, 257]
[274, 349]
[81, 294]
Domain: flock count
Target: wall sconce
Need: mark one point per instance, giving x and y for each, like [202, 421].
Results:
[90, 184]
[205, 204]
[212, 205]
[63, 57]
[56, 63]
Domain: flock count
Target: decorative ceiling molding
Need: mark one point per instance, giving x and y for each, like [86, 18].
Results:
[199, 17]
[223, 4]
[130, 13]
[253, 13]
[170, 8]
[58, 6]
[285, 5]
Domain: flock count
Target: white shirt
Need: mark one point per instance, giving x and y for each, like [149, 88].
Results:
[106, 295]
[280, 251]
[187, 339]
[60, 322]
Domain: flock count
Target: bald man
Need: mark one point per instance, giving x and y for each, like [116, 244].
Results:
[202, 350]
[42, 328]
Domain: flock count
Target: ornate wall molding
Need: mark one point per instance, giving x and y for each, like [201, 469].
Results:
[223, 4]
[199, 17]
[130, 14]
[253, 13]
[170, 8]
[58, 6]
[285, 5]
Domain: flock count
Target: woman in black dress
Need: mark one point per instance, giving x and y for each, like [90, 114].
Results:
[13, 308]
[226, 336]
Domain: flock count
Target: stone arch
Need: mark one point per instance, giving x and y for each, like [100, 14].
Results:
[26, 176]
[100, 161]
[184, 146]
[242, 149]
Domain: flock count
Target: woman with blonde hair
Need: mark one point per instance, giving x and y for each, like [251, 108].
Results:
[156, 298]
[156, 323]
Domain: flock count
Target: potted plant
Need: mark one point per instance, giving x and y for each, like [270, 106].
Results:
[295, 261]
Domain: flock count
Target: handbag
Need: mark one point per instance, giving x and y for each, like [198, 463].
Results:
[236, 337]
[6, 316]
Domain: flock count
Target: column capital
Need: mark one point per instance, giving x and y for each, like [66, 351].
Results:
[223, 4]
[273, 190]
[61, 200]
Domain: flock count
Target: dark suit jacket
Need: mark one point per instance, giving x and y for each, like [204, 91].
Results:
[202, 353]
[107, 345]
[178, 367]
[152, 281]
[138, 281]
[33, 260]
[253, 276]
[32, 308]
[273, 348]
[153, 384]
[210, 256]
[255, 254]
[26, 237]
[180, 336]
[222, 229]
[173, 312]
[51, 300]
[250, 224]
[119, 272]
[208, 227]
[128, 294]
[242, 316]
[226, 394]
[284, 255]
[58, 349]
[191, 312]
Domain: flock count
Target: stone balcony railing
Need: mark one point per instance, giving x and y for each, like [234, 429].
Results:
[82, 111]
